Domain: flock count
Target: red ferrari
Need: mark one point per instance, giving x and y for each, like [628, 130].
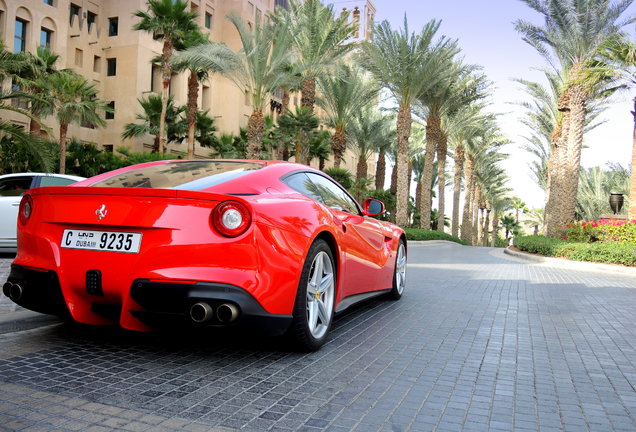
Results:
[276, 245]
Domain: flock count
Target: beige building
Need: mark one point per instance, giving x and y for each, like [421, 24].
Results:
[95, 38]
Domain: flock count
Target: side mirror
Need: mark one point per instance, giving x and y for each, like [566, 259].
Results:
[372, 207]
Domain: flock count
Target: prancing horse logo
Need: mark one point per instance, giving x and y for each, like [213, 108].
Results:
[101, 212]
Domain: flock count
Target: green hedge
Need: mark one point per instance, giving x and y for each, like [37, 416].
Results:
[417, 234]
[609, 253]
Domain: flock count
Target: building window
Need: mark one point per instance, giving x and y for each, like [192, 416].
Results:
[19, 40]
[48, 2]
[91, 18]
[113, 26]
[155, 78]
[108, 148]
[79, 57]
[111, 67]
[110, 114]
[46, 37]
[21, 103]
[97, 64]
[74, 12]
[208, 20]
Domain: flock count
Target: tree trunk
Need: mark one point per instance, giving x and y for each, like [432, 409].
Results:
[63, 132]
[255, 130]
[467, 224]
[495, 229]
[578, 111]
[474, 239]
[338, 145]
[565, 159]
[442, 150]
[632, 182]
[285, 100]
[486, 222]
[402, 159]
[308, 93]
[166, 74]
[457, 187]
[193, 94]
[393, 186]
[418, 197]
[380, 170]
[361, 168]
[433, 132]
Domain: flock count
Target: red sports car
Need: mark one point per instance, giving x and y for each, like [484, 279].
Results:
[276, 245]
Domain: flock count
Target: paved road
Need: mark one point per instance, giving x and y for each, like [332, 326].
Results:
[479, 341]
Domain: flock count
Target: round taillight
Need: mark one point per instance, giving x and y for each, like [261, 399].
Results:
[231, 218]
[26, 209]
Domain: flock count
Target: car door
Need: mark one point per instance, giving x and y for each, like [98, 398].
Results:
[365, 248]
[11, 191]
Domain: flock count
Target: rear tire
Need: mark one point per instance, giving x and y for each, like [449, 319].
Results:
[399, 274]
[313, 309]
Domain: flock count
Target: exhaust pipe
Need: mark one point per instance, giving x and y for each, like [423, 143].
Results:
[201, 312]
[6, 288]
[227, 313]
[13, 291]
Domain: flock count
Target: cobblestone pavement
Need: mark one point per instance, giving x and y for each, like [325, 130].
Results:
[479, 342]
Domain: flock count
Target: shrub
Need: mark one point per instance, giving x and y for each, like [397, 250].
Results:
[609, 253]
[538, 244]
[416, 234]
[603, 230]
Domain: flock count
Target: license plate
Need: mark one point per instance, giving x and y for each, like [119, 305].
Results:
[113, 241]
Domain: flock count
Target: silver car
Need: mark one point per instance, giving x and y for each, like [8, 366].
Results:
[12, 187]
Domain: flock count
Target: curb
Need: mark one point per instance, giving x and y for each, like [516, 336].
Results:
[574, 265]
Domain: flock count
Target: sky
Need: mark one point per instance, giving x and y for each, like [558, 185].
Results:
[486, 34]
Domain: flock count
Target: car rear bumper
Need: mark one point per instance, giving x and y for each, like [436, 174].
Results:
[150, 305]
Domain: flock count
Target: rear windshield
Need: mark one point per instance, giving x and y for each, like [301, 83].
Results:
[188, 175]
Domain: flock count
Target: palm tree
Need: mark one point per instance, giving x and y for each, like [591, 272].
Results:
[534, 219]
[405, 64]
[510, 225]
[518, 206]
[152, 107]
[263, 66]
[209, 57]
[368, 133]
[170, 21]
[492, 180]
[463, 127]
[481, 150]
[542, 118]
[71, 99]
[342, 95]
[458, 86]
[574, 33]
[318, 38]
[26, 70]
[298, 126]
